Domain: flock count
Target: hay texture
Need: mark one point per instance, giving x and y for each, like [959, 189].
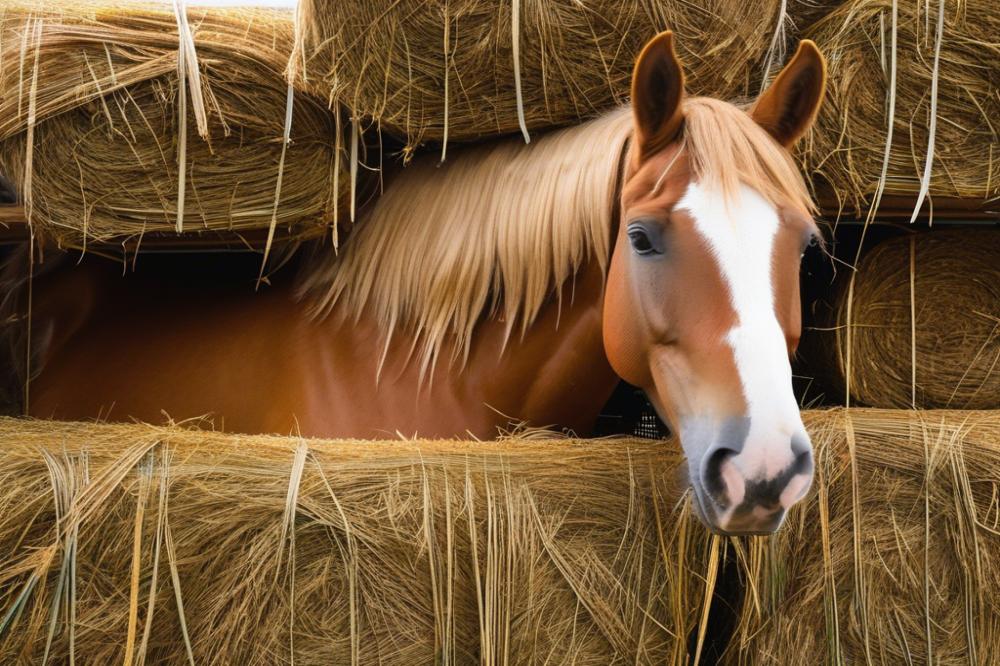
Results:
[922, 325]
[104, 142]
[939, 88]
[132, 543]
[464, 69]
[895, 559]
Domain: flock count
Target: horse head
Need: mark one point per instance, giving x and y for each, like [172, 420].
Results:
[702, 305]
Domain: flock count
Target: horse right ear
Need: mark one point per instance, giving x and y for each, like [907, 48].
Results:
[790, 104]
[657, 94]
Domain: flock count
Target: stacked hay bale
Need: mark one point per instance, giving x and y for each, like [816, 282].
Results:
[918, 324]
[116, 122]
[467, 69]
[912, 86]
[895, 559]
[135, 542]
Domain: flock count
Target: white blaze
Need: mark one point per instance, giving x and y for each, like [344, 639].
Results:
[741, 237]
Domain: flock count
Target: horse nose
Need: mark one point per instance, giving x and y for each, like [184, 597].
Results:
[754, 504]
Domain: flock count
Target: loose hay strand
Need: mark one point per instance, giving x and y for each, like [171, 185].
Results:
[29, 152]
[925, 179]
[136, 567]
[182, 73]
[913, 323]
[515, 19]
[285, 139]
[175, 579]
[711, 574]
[157, 542]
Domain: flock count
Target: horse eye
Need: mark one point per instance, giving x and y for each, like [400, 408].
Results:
[640, 241]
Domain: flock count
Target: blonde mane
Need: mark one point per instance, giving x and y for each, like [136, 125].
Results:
[499, 228]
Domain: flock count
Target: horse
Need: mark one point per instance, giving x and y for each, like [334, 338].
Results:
[659, 243]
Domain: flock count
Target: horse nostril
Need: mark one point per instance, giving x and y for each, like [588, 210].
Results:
[798, 477]
[800, 444]
[802, 450]
[720, 478]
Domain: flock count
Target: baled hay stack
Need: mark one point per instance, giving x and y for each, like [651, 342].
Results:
[463, 69]
[949, 354]
[803, 14]
[127, 540]
[99, 134]
[953, 96]
[896, 558]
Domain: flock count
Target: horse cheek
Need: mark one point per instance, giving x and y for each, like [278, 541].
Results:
[623, 341]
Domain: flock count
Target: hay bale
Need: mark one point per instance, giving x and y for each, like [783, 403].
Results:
[955, 278]
[848, 144]
[101, 160]
[557, 549]
[394, 552]
[803, 14]
[899, 545]
[446, 69]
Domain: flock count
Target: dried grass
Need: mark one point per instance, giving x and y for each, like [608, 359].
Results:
[464, 69]
[342, 552]
[948, 354]
[944, 105]
[195, 547]
[104, 140]
[896, 559]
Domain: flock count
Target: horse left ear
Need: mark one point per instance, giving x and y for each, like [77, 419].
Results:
[789, 106]
[657, 95]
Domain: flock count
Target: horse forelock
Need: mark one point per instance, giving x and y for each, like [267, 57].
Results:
[727, 150]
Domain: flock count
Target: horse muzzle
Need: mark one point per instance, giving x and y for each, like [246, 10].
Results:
[742, 490]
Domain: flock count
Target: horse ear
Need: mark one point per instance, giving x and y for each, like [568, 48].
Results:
[657, 93]
[789, 106]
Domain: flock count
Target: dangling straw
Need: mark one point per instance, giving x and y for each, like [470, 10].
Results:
[354, 166]
[515, 19]
[36, 30]
[297, 60]
[711, 575]
[286, 139]
[913, 324]
[879, 190]
[30, 315]
[891, 95]
[29, 148]
[925, 181]
[777, 48]
[336, 180]
[181, 137]
[193, 70]
[447, 40]
[188, 72]
[848, 332]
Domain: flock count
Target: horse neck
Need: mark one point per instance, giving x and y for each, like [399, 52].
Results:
[557, 373]
[561, 366]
